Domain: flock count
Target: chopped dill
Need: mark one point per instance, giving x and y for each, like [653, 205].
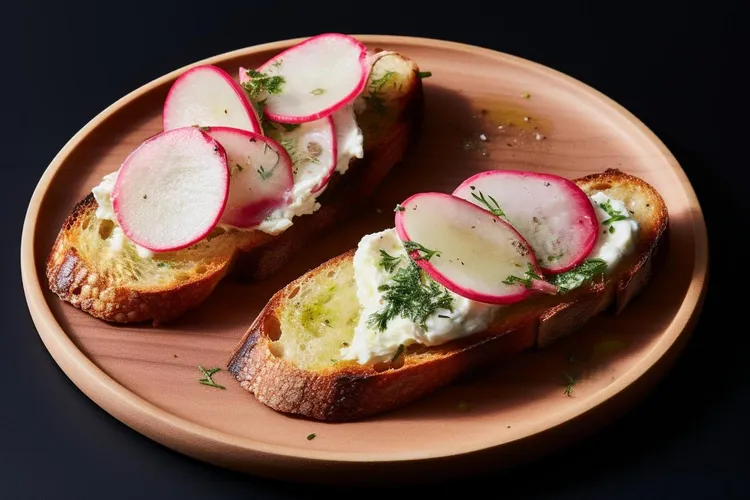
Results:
[529, 277]
[208, 377]
[571, 382]
[265, 174]
[298, 156]
[492, 205]
[289, 126]
[576, 276]
[614, 215]
[388, 261]
[375, 99]
[553, 258]
[427, 254]
[260, 83]
[410, 294]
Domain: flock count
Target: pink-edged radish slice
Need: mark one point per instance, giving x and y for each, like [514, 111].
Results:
[312, 147]
[320, 75]
[207, 96]
[243, 77]
[551, 212]
[468, 250]
[171, 191]
[261, 176]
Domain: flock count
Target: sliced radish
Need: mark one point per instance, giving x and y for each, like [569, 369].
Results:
[261, 175]
[171, 191]
[551, 212]
[312, 147]
[243, 75]
[479, 256]
[321, 74]
[207, 96]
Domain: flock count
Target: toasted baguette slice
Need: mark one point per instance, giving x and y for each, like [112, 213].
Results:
[124, 288]
[291, 361]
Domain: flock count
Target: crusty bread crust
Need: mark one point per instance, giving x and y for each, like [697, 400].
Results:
[80, 281]
[83, 284]
[348, 391]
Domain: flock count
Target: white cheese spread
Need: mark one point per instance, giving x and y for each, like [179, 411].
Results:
[303, 200]
[370, 345]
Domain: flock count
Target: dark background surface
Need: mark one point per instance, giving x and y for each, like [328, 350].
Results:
[676, 68]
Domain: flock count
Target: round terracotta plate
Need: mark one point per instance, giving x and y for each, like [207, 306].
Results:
[532, 118]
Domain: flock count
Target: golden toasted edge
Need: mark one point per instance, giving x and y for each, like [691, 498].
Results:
[355, 391]
[76, 281]
[79, 282]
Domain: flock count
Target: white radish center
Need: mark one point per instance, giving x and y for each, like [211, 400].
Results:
[320, 75]
[206, 97]
[553, 215]
[312, 148]
[261, 176]
[171, 191]
[477, 251]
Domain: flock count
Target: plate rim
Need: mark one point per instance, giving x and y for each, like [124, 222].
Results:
[189, 437]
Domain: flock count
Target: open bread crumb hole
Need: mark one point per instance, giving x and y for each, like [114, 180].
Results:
[602, 186]
[331, 274]
[272, 327]
[200, 269]
[105, 229]
[294, 292]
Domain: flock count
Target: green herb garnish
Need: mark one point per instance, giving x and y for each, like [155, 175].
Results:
[289, 126]
[203, 128]
[399, 352]
[526, 95]
[162, 264]
[298, 157]
[399, 208]
[570, 383]
[491, 204]
[424, 74]
[318, 91]
[427, 254]
[375, 99]
[576, 276]
[388, 261]
[239, 167]
[614, 215]
[263, 82]
[265, 174]
[529, 277]
[208, 377]
[310, 437]
[412, 295]
[553, 258]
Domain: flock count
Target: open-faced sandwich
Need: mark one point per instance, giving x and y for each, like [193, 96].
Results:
[243, 174]
[509, 261]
